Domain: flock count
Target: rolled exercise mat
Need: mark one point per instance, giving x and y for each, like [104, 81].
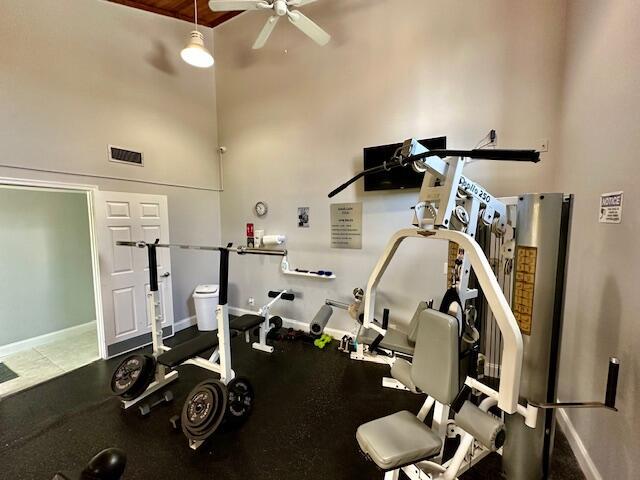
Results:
[484, 427]
[273, 240]
[321, 319]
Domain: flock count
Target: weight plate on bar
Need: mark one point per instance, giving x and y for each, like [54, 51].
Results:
[276, 323]
[204, 409]
[240, 399]
[132, 376]
[145, 379]
[201, 409]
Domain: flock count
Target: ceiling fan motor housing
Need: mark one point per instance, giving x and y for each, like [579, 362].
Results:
[280, 7]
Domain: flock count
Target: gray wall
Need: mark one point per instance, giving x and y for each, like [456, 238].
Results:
[78, 75]
[600, 138]
[295, 118]
[45, 257]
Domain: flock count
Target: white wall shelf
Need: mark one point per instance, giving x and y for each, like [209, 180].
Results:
[286, 269]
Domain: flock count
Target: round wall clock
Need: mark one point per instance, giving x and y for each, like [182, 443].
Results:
[261, 209]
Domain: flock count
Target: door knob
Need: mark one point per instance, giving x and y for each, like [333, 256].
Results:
[166, 274]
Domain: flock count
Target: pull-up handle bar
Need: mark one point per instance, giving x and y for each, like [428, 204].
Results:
[476, 154]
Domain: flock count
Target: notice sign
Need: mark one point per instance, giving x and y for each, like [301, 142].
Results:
[346, 225]
[611, 207]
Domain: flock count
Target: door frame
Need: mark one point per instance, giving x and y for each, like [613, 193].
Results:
[89, 191]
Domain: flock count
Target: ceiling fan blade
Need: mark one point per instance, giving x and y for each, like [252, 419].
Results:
[309, 28]
[300, 3]
[266, 32]
[237, 5]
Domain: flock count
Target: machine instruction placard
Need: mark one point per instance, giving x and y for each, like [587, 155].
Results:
[346, 225]
[526, 261]
[611, 207]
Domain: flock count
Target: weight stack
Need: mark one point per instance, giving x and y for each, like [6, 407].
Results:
[542, 229]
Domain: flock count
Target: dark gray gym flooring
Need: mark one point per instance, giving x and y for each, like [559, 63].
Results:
[308, 405]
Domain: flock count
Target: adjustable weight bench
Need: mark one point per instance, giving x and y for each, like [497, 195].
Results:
[262, 320]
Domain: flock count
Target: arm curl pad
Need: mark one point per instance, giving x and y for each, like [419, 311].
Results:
[484, 427]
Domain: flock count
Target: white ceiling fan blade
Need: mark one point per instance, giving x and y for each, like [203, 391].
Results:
[266, 32]
[309, 28]
[300, 3]
[237, 5]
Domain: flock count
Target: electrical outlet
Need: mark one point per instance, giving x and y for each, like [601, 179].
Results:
[251, 301]
[543, 145]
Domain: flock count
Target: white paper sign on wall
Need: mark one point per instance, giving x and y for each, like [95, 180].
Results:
[611, 207]
[346, 225]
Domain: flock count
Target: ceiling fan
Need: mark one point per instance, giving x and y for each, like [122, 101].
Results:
[280, 8]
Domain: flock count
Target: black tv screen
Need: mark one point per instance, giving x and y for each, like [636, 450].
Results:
[397, 178]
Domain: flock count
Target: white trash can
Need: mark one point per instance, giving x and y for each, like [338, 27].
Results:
[206, 299]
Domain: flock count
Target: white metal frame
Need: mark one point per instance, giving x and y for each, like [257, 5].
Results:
[89, 191]
[445, 211]
[513, 346]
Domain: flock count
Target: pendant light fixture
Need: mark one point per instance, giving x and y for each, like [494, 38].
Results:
[195, 53]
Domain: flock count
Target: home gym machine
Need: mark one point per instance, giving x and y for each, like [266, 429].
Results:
[451, 207]
[211, 401]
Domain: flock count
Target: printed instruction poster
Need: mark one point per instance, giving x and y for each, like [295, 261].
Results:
[346, 225]
[611, 207]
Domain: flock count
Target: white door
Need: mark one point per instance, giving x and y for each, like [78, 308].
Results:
[124, 271]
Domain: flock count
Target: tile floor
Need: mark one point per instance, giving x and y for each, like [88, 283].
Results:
[42, 363]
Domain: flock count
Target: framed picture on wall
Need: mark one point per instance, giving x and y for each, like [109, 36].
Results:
[303, 217]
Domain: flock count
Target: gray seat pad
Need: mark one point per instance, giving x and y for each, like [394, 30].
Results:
[397, 440]
[397, 341]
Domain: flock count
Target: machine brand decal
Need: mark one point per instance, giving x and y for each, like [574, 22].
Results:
[611, 207]
[474, 189]
[526, 260]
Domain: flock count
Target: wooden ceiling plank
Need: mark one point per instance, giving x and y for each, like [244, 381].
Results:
[151, 8]
[180, 9]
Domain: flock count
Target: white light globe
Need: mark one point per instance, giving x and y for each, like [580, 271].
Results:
[195, 53]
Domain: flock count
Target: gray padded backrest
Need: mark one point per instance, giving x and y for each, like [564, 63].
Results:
[435, 360]
[415, 322]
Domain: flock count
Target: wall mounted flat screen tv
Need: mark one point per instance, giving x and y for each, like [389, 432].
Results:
[398, 178]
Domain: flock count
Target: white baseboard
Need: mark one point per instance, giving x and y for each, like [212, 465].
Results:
[297, 324]
[579, 450]
[184, 323]
[46, 338]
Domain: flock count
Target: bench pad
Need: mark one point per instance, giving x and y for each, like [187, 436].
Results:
[189, 349]
[246, 322]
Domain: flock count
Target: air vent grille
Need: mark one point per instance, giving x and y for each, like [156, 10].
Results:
[123, 155]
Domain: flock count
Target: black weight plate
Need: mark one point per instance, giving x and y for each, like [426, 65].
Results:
[241, 398]
[200, 404]
[276, 322]
[127, 374]
[144, 380]
[214, 421]
[204, 409]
